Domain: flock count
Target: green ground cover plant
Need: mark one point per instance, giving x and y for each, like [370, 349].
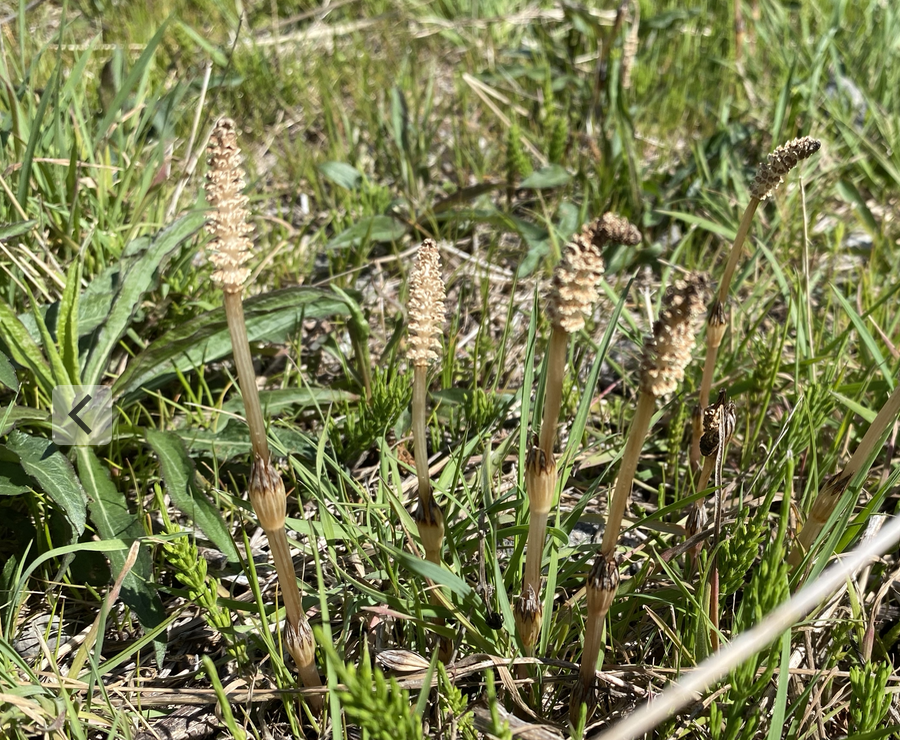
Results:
[445, 460]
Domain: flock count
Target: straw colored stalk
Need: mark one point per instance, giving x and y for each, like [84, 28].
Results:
[769, 175]
[573, 295]
[229, 250]
[666, 354]
[426, 319]
[833, 488]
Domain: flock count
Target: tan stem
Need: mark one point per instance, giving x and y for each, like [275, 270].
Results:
[740, 237]
[234, 313]
[708, 464]
[287, 579]
[419, 430]
[593, 642]
[640, 425]
[556, 367]
[830, 493]
[293, 608]
[709, 368]
[537, 530]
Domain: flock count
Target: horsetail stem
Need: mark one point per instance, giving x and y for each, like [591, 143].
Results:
[229, 251]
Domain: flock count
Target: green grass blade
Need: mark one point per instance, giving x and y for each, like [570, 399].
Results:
[181, 483]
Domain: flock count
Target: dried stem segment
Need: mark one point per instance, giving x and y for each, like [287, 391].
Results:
[556, 368]
[540, 482]
[637, 433]
[602, 584]
[528, 613]
[420, 430]
[831, 492]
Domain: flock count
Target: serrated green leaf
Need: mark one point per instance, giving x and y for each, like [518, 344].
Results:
[369, 229]
[138, 279]
[114, 521]
[552, 176]
[8, 374]
[22, 348]
[181, 483]
[342, 174]
[270, 317]
[43, 461]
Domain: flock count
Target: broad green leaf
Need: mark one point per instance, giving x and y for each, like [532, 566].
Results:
[270, 317]
[16, 229]
[14, 481]
[181, 483]
[342, 174]
[552, 176]
[22, 348]
[114, 521]
[139, 278]
[233, 439]
[855, 407]
[210, 49]
[67, 325]
[42, 460]
[12, 415]
[369, 229]
[432, 571]
[784, 676]
[273, 402]
[8, 374]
